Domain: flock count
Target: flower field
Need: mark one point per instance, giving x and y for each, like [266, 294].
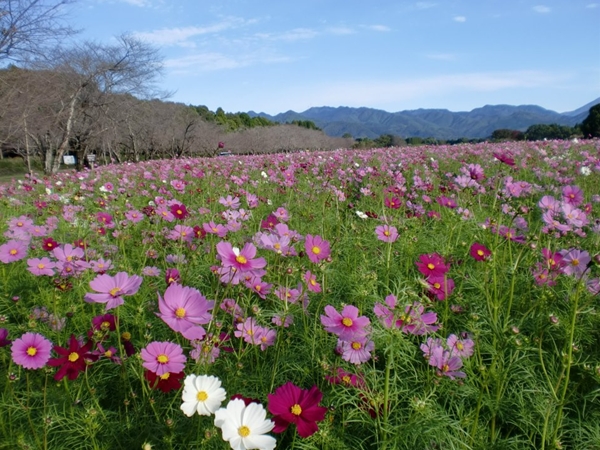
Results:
[434, 297]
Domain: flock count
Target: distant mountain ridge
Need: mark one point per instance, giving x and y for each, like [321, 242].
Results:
[438, 123]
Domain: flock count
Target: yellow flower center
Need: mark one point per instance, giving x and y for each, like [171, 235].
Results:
[480, 252]
[258, 287]
[313, 282]
[163, 359]
[126, 335]
[296, 410]
[201, 396]
[575, 262]
[113, 292]
[356, 345]
[73, 357]
[244, 431]
[105, 325]
[241, 259]
[431, 266]
[32, 351]
[179, 212]
[13, 251]
[386, 233]
[437, 285]
[108, 353]
[40, 266]
[346, 379]
[445, 368]
[316, 250]
[180, 313]
[347, 322]
[165, 376]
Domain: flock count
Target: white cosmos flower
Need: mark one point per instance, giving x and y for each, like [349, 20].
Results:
[361, 214]
[202, 394]
[244, 427]
[585, 171]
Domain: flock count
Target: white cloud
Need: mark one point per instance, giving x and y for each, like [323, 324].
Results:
[212, 61]
[460, 19]
[425, 5]
[591, 5]
[340, 30]
[382, 28]
[297, 34]
[181, 36]
[542, 9]
[398, 91]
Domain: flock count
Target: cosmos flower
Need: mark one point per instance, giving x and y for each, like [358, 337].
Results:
[317, 249]
[185, 309]
[31, 351]
[72, 359]
[163, 357]
[292, 405]
[245, 426]
[346, 324]
[202, 394]
[110, 290]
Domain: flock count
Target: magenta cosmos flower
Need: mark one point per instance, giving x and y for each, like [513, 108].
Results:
[242, 260]
[31, 351]
[432, 265]
[185, 309]
[110, 290]
[290, 404]
[346, 324]
[317, 249]
[479, 252]
[163, 357]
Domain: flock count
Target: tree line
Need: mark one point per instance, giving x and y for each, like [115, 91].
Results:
[63, 98]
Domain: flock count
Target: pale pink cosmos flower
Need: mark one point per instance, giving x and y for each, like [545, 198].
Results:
[110, 290]
[163, 357]
[13, 251]
[386, 233]
[41, 266]
[242, 260]
[311, 282]
[185, 309]
[356, 350]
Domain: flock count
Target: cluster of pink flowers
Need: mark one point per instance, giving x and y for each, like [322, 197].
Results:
[353, 332]
[412, 319]
[434, 268]
[447, 356]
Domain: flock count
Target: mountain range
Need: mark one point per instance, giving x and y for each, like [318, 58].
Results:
[438, 123]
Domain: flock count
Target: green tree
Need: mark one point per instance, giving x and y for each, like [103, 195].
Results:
[544, 131]
[505, 134]
[590, 127]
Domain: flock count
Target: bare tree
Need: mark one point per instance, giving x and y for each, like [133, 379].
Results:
[91, 77]
[29, 27]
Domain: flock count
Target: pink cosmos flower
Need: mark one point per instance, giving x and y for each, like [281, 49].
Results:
[13, 251]
[575, 262]
[460, 347]
[213, 228]
[346, 324]
[292, 405]
[242, 260]
[311, 282]
[163, 357]
[31, 351]
[386, 233]
[356, 350]
[185, 309]
[110, 290]
[572, 195]
[41, 266]
[446, 363]
[317, 249]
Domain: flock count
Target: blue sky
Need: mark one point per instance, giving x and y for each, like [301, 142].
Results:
[273, 56]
